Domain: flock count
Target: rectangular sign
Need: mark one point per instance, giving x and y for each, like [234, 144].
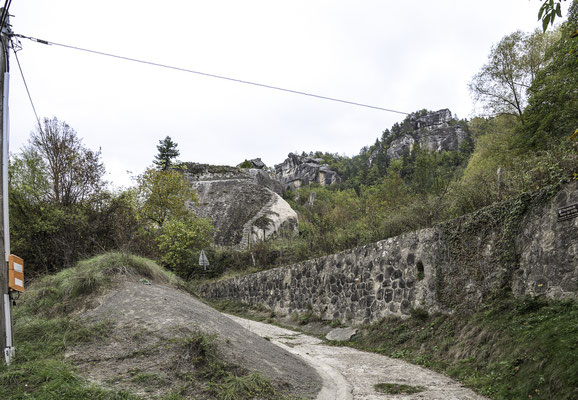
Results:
[568, 212]
[16, 273]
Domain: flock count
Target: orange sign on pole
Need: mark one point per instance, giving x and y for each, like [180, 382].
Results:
[16, 273]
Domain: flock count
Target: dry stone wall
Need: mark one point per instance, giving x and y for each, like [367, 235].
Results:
[529, 251]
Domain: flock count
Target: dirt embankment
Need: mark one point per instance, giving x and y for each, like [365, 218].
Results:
[148, 321]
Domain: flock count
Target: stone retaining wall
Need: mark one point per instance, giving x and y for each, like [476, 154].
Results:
[436, 269]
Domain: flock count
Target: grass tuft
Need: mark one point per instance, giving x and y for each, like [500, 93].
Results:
[252, 386]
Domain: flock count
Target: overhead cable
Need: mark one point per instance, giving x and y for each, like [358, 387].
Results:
[208, 74]
[5, 13]
[27, 91]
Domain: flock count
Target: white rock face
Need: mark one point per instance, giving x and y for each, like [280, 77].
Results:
[241, 204]
[275, 218]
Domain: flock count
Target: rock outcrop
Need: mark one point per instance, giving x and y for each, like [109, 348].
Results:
[243, 204]
[297, 171]
[435, 131]
[254, 163]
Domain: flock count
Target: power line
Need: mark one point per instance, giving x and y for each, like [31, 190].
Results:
[5, 14]
[208, 74]
[27, 91]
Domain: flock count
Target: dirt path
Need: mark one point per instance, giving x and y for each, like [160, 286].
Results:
[351, 374]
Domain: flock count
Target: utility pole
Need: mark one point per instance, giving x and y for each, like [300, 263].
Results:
[5, 302]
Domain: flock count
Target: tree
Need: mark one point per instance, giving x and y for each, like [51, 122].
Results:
[59, 210]
[178, 239]
[167, 152]
[548, 12]
[73, 172]
[553, 103]
[163, 200]
[512, 65]
[163, 195]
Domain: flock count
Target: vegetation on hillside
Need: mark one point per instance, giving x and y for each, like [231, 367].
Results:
[58, 218]
[61, 210]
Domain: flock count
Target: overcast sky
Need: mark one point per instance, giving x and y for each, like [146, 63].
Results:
[402, 55]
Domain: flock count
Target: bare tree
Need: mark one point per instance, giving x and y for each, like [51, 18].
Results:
[73, 171]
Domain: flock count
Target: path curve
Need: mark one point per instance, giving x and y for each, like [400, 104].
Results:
[351, 374]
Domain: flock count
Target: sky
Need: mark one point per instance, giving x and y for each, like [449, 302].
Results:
[400, 55]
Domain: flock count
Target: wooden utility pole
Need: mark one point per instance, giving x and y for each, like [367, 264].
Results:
[5, 303]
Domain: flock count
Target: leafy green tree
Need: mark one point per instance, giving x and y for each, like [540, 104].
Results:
[163, 194]
[179, 239]
[553, 103]
[163, 200]
[59, 210]
[512, 64]
[167, 152]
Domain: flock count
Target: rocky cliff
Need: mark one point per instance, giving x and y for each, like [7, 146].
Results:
[297, 171]
[243, 204]
[434, 131]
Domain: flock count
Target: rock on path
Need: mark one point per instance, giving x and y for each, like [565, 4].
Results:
[351, 374]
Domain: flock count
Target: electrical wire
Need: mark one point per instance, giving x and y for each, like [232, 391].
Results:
[27, 91]
[208, 74]
[5, 13]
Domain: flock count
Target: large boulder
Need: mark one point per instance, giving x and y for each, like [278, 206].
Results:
[297, 171]
[243, 204]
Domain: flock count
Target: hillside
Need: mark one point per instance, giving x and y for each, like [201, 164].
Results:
[125, 326]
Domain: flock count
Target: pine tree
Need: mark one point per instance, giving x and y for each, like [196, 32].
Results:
[167, 152]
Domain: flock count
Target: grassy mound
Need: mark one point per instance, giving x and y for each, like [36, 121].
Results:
[64, 292]
[44, 329]
[46, 326]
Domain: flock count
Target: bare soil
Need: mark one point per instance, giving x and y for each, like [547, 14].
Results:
[142, 353]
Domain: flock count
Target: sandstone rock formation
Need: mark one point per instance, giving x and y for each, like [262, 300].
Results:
[255, 163]
[297, 171]
[243, 204]
[436, 131]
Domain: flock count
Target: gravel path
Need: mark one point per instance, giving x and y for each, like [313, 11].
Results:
[351, 374]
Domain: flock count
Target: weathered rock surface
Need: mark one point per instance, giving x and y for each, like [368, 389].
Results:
[341, 334]
[457, 264]
[436, 131]
[544, 269]
[297, 171]
[242, 203]
[254, 163]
